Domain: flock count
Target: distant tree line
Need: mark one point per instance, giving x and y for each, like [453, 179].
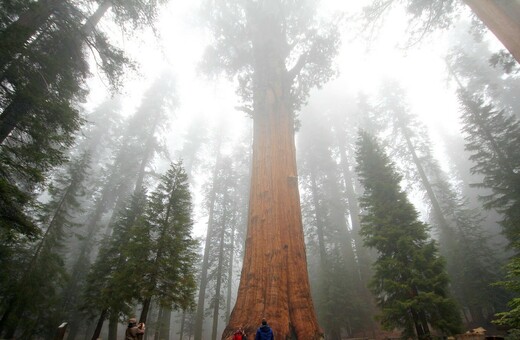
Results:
[91, 230]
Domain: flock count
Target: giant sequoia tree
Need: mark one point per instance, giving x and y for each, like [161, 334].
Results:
[278, 53]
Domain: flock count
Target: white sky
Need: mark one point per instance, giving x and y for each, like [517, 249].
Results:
[180, 46]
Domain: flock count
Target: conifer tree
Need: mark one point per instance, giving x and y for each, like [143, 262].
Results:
[410, 280]
[110, 287]
[163, 251]
[471, 263]
[335, 281]
[43, 67]
[34, 298]
[132, 154]
[493, 139]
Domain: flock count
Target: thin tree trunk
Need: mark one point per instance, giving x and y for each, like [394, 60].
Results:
[165, 328]
[363, 258]
[324, 267]
[199, 317]
[364, 261]
[418, 325]
[319, 230]
[446, 229]
[99, 324]
[183, 321]
[502, 17]
[113, 322]
[230, 273]
[216, 306]
[158, 324]
[145, 310]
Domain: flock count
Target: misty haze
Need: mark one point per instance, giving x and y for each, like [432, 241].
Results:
[260, 169]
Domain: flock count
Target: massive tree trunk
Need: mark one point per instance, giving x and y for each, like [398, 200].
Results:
[274, 283]
[502, 17]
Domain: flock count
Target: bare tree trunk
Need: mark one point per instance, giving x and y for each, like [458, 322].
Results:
[363, 256]
[112, 326]
[216, 305]
[447, 232]
[274, 283]
[230, 273]
[199, 317]
[165, 324]
[183, 321]
[99, 324]
[144, 312]
[502, 17]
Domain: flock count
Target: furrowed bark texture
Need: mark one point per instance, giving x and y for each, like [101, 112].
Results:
[274, 282]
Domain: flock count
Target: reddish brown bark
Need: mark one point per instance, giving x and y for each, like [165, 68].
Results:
[274, 282]
[502, 17]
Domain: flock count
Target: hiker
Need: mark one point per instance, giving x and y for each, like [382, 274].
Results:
[240, 334]
[133, 330]
[264, 332]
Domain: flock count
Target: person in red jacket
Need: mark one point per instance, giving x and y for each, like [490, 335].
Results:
[239, 334]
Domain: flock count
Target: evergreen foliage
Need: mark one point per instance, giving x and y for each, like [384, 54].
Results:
[471, 263]
[34, 299]
[45, 48]
[511, 318]
[162, 249]
[410, 280]
[111, 283]
[493, 138]
[307, 46]
[125, 170]
[334, 270]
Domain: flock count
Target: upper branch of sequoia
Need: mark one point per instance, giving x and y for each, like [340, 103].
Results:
[281, 32]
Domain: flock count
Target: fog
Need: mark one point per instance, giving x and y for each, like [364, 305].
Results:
[167, 163]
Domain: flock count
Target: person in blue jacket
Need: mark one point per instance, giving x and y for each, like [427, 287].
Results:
[264, 332]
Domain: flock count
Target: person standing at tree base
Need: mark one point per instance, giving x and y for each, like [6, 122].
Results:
[264, 332]
[240, 334]
[133, 331]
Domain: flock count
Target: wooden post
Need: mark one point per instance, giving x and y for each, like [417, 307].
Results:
[61, 331]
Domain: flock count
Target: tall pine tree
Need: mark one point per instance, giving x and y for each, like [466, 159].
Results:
[410, 280]
[167, 251]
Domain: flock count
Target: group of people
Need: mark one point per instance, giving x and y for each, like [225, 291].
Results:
[264, 332]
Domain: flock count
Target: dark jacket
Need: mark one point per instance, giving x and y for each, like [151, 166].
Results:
[264, 333]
